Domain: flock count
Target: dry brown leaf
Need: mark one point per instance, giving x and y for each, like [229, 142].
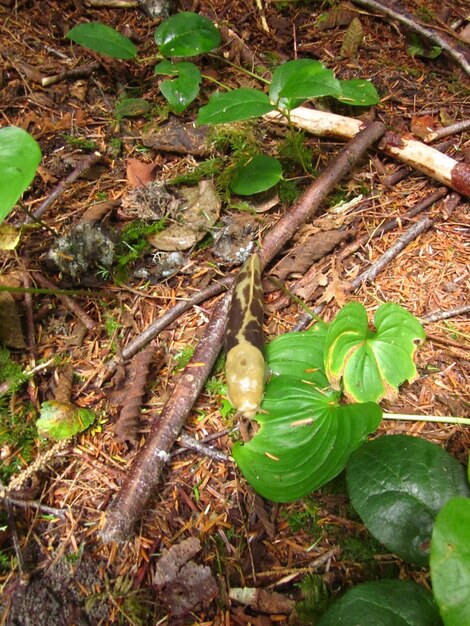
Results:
[11, 332]
[140, 173]
[201, 213]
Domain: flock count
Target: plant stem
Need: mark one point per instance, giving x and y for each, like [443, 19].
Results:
[444, 419]
[240, 69]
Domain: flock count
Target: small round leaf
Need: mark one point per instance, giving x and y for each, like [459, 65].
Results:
[450, 562]
[186, 35]
[260, 174]
[398, 484]
[383, 603]
[183, 89]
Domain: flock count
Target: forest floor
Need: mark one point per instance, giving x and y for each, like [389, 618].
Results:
[54, 568]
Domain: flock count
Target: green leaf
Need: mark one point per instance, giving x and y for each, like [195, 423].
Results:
[259, 174]
[103, 39]
[186, 35]
[300, 355]
[306, 437]
[398, 484]
[383, 603]
[181, 91]
[234, 106]
[59, 420]
[358, 92]
[304, 79]
[417, 48]
[20, 156]
[372, 364]
[450, 562]
[166, 68]
[132, 107]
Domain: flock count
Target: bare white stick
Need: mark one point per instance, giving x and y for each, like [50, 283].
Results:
[418, 155]
[443, 419]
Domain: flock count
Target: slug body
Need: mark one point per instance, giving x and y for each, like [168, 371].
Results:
[244, 342]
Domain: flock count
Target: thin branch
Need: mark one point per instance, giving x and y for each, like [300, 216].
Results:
[400, 15]
[203, 449]
[445, 131]
[408, 236]
[147, 466]
[146, 469]
[82, 71]
[84, 165]
[68, 302]
[444, 315]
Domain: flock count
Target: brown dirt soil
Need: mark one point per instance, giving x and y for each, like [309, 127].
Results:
[68, 576]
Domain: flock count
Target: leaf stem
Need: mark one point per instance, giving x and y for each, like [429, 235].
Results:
[444, 419]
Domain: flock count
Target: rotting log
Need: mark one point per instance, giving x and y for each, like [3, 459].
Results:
[414, 153]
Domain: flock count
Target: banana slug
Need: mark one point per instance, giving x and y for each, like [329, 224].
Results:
[245, 366]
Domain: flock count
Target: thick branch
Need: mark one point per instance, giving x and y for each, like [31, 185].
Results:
[145, 471]
[414, 153]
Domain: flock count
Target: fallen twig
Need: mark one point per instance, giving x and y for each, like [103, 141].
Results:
[444, 315]
[203, 449]
[407, 237]
[145, 471]
[400, 15]
[418, 155]
[81, 168]
[445, 131]
[67, 301]
[82, 71]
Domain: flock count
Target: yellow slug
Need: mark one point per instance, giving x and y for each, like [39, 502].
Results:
[244, 343]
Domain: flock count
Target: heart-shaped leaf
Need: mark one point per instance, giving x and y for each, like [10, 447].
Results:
[398, 484]
[372, 364]
[186, 35]
[450, 562]
[304, 79]
[259, 174]
[384, 603]
[234, 106]
[181, 91]
[103, 39]
[20, 156]
[358, 92]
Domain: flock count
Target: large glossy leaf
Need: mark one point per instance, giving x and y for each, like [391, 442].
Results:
[234, 106]
[383, 603]
[183, 89]
[398, 484]
[20, 156]
[358, 92]
[450, 562]
[103, 39]
[304, 79]
[305, 438]
[186, 34]
[372, 364]
[260, 174]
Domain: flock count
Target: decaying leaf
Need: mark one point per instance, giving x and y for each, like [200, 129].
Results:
[178, 137]
[315, 247]
[338, 16]
[140, 173]
[236, 239]
[193, 222]
[352, 39]
[9, 237]
[182, 583]
[11, 332]
[60, 420]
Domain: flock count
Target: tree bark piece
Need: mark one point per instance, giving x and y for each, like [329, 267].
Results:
[418, 155]
[400, 15]
[147, 466]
